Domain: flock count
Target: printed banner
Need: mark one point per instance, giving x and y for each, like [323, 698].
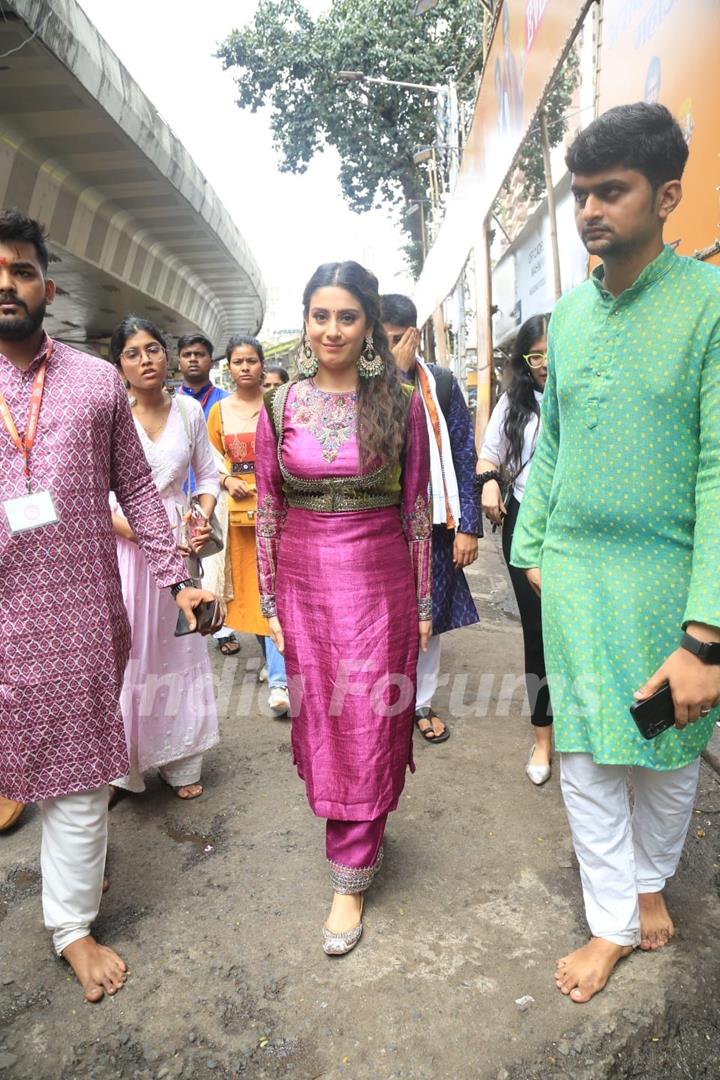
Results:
[668, 51]
[530, 39]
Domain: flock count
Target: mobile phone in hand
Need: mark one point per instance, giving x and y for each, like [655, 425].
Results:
[655, 714]
[196, 521]
[206, 615]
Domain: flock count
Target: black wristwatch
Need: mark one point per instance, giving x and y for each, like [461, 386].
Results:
[707, 651]
[186, 584]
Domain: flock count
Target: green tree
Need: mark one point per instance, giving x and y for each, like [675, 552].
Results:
[286, 60]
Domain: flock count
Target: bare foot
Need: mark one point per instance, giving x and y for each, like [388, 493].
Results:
[106, 884]
[189, 791]
[583, 973]
[656, 926]
[345, 913]
[98, 969]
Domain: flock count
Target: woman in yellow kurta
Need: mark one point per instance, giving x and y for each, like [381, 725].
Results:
[231, 427]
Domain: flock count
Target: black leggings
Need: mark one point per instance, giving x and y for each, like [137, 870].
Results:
[529, 604]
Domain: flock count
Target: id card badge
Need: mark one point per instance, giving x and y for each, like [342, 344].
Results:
[30, 511]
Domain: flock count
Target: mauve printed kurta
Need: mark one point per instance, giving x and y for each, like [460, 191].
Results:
[64, 635]
[350, 586]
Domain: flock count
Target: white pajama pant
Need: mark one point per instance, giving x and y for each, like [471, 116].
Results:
[428, 673]
[179, 773]
[72, 860]
[624, 850]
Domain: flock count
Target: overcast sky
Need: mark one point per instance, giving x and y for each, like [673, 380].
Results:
[292, 223]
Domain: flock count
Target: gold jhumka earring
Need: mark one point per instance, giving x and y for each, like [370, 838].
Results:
[307, 361]
[370, 362]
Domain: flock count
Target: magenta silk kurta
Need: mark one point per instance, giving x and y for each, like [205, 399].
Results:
[349, 586]
[64, 634]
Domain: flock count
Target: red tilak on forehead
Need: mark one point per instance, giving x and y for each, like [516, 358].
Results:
[4, 261]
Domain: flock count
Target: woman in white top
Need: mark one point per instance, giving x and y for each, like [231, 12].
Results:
[505, 456]
[168, 702]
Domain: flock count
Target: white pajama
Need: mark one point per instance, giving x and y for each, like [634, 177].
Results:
[180, 773]
[183, 772]
[72, 860]
[624, 851]
[428, 673]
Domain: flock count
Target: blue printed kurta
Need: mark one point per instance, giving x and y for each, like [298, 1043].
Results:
[453, 605]
[622, 507]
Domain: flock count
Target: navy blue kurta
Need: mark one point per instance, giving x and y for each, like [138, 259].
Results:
[453, 605]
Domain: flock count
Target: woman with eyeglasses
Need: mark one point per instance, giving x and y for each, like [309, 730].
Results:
[505, 458]
[167, 702]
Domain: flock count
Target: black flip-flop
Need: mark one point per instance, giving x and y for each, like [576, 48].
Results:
[428, 734]
[225, 645]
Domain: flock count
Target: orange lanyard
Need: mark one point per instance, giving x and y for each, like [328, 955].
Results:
[25, 444]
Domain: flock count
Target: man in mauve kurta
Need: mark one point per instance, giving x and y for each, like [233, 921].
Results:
[621, 516]
[67, 439]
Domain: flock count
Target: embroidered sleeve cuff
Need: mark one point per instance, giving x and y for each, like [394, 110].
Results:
[425, 608]
[267, 606]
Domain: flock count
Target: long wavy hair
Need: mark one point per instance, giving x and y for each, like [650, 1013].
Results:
[381, 402]
[522, 404]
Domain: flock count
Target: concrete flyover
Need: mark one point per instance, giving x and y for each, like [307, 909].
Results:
[134, 226]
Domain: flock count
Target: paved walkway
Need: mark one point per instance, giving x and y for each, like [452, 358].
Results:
[217, 906]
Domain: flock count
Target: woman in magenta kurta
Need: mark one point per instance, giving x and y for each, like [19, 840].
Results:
[343, 535]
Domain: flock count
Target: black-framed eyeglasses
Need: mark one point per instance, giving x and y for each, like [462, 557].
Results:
[535, 359]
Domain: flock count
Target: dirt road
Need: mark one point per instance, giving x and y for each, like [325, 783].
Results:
[217, 906]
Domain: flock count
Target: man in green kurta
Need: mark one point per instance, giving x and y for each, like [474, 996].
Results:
[620, 525]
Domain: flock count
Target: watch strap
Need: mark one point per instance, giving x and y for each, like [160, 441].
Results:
[707, 651]
[179, 585]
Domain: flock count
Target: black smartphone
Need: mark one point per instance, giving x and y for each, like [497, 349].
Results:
[206, 615]
[654, 714]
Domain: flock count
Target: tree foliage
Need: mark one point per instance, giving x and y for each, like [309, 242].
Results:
[286, 60]
[557, 103]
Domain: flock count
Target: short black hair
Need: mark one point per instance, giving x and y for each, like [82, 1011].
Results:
[278, 369]
[245, 339]
[14, 225]
[195, 339]
[641, 136]
[398, 310]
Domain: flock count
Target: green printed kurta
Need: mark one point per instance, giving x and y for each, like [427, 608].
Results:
[622, 508]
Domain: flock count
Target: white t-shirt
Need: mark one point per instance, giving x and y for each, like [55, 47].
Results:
[495, 445]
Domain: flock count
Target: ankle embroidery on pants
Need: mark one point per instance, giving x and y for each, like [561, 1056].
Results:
[353, 879]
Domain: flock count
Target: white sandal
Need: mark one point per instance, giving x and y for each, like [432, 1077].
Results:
[538, 774]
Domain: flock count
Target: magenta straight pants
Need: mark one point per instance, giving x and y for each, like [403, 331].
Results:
[354, 851]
